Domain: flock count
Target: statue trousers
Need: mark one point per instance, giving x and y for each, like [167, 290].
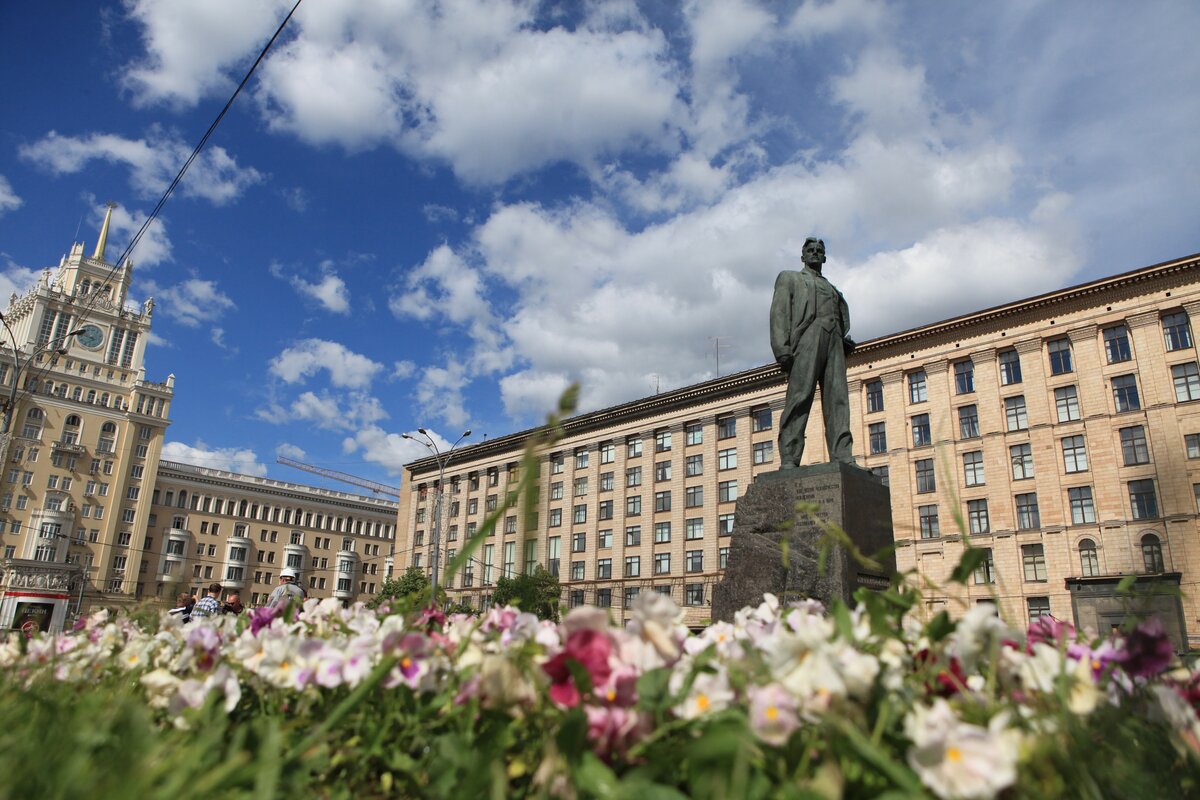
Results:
[820, 358]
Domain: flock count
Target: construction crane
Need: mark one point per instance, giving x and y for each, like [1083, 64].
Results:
[344, 477]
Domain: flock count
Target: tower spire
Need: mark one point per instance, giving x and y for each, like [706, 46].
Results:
[103, 240]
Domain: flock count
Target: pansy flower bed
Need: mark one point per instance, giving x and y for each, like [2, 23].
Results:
[788, 700]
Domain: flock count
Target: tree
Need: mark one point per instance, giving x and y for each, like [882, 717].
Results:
[408, 589]
[536, 593]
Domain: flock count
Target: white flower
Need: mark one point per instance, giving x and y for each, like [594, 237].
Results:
[959, 761]
[710, 692]
[979, 630]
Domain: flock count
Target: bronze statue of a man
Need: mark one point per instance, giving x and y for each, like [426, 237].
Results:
[809, 321]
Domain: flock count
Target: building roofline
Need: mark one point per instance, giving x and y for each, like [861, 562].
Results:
[270, 484]
[770, 374]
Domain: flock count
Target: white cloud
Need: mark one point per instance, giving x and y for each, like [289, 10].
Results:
[15, 279]
[439, 393]
[390, 450]
[191, 43]
[194, 302]
[325, 410]
[153, 161]
[403, 369]
[297, 198]
[9, 200]
[330, 292]
[346, 369]
[288, 450]
[231, 459]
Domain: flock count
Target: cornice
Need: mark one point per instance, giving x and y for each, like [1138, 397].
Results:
[177, 471]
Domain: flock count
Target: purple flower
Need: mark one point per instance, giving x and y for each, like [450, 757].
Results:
[1148, 650]
[261, 617]
[1050, 630]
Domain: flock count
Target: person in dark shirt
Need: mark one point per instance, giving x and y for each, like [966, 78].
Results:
[233, 604]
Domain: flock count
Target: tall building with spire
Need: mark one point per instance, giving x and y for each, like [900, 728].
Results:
[80, 438]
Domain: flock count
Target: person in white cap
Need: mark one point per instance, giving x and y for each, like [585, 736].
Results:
[287, 590]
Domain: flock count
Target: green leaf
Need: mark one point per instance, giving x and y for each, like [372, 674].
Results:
[595, 778]
[972, 557]
[939, 627]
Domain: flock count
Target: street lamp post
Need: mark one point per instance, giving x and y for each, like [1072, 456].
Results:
[443, 459]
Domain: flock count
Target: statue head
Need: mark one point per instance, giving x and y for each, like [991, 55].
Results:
[813, 252]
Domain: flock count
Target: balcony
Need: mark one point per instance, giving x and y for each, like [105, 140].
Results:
[69, 447]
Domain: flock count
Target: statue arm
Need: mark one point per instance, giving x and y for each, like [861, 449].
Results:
[781, 319]
[848, 343]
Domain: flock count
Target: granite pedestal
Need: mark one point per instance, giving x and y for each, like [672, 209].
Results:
[845, 495]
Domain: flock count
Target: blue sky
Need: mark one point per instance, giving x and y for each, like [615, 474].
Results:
[439, 214]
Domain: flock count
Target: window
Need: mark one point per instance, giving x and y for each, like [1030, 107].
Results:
[579, 513]
[968, 422]
[1152, 557]
[604, 568]
[662, 501]
[877, 435]
[1033, 559]
[723, 557]
[925, 479]
[633, 447]
[1010, 368]
[1142, 500]
[977, 516]
[1187, 382]
[633, 476]
[920, 430]
[694, 465]
[693, 433]
[1060, 356]
[604, 598]
[581, 486]
[1066, 402]
[662, 532]
[604, 510]
[693, 528]
[1191, 442]
[581, 458]
[1038, 607]
[555, 520]
[578, 570]
[633, 566]
[973, 468]
[928, 517]
[964, 377]
[726, 427]
[1082, 510]
[1133, 445]
[760, 419]
[986, 571]
[1177, 334]
[762, 452]
[662, 441]
[874, 391]
[916, 387]
[556, 467]
[1125, 393]
[693, 594]
[662, 471]
[693, 497]
[1027, 512]
[633, 505]
[727, 459]
[695, 560]
[490, 503]
[1021, 457]
[1014, 413]
[1116, 344]
[553, 554]
[662, 563]
[1089, 563]
[727, 491]
[578, 542]
[608, 453]
[1074, 454]
[725, 524]
[604, 538]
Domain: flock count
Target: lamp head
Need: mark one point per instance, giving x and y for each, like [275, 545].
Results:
[466, 433]
[422, 431]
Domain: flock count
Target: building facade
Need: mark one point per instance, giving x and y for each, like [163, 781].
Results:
[83, 519]
[1058, 433]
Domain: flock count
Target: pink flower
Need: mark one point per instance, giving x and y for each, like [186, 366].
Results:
[1048, 629]
[773, 713]
[1148, 650]
[588, 648]
[612, 729]
[262, 617]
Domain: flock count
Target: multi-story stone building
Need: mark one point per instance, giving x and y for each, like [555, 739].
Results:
[1058, 433]
[83, 520]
